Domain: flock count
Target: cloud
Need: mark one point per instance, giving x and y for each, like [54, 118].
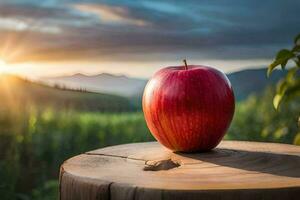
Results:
[146, 30]
[22, 25]
[111, 14]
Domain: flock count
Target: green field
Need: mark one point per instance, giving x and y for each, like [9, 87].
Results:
[39, 131]
[35, 142]
[16, 92]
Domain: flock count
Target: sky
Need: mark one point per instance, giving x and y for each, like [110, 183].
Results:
[137, 37]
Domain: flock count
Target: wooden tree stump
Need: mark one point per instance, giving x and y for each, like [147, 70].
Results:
[234, 170]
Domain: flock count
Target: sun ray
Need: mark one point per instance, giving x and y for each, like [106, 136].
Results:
[14, 42]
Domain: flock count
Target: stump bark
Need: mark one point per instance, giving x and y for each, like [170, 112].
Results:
[234, 170]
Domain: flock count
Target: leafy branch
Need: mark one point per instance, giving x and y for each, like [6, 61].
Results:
[289, 86]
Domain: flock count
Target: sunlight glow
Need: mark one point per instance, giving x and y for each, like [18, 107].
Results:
[3, 67]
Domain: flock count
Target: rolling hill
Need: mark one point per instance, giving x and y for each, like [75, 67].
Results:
[244, 83]
[16, 92]
[106, 83]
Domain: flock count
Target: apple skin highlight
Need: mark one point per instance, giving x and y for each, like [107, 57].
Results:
[188, 108]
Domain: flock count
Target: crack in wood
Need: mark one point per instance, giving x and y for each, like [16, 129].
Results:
[116, 156]
[109, 190]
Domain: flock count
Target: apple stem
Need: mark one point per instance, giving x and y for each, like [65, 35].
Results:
[185, 64]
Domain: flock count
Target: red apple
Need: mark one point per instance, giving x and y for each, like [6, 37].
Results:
[188, 108]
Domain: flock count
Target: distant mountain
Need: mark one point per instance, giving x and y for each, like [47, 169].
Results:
[244, 83]
[106, 83]
[252, 81]
[17, 93]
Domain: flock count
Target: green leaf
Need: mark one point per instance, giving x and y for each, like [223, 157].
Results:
[283, 54]
[282, 58]
[287, 89]
[297, 139]
[272, 67]
[293, 90]
[276, 101]
[281, 86]
[290, 75]
[297, 38]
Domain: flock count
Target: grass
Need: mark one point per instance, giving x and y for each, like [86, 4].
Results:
[34, 143]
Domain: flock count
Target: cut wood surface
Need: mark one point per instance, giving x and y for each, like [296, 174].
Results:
[234, 170]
